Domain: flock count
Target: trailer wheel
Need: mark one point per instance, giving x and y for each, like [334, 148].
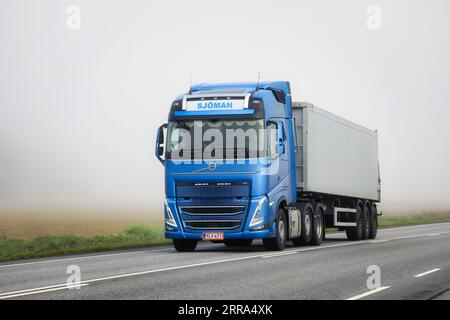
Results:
[318, 228]
[238, 242]
[184, 245]
[307, 226]
[279, 242]
[355, 233]
[366, 221]
[373, 222]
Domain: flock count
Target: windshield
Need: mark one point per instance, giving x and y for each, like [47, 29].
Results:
[216, 139]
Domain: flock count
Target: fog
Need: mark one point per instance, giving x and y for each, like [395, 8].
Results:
[79, 108]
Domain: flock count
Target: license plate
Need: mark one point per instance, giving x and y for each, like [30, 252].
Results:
[212, 236]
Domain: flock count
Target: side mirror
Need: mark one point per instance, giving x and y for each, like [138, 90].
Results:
[160, 150]
[161, 133]
[159, 147]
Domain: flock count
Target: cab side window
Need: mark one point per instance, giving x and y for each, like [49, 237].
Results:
[272, 140]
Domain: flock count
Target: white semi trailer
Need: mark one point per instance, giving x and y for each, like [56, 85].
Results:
[337, 167]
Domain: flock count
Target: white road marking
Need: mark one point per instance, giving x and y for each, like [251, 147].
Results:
[66, 287]
[292, 251]
[415, 226]
[368, 293]
[279, 254]
[40, 288]
[426, 272]
[95, 256]
[379, 241]
[412, 237]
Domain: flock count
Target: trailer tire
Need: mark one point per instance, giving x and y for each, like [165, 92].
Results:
[184, 245]
[318, 228]
[306, 228]
[279, 242]
[373, 221]
[238, 242]
[366, 221]
[355, 233]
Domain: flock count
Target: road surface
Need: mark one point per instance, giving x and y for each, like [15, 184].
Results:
[414, 263]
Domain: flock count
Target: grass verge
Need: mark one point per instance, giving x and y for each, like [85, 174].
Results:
[388, 221]
[135, 237]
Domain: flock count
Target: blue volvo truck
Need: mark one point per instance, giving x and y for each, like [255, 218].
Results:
[244, 162]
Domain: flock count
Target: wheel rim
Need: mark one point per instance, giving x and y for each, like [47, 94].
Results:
[281, 229]
[307, 224]
[319, 226]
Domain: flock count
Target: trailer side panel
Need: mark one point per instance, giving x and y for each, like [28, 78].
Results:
[335, 156]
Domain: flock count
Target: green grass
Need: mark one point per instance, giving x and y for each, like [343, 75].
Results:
[396, 221]
[135, 237]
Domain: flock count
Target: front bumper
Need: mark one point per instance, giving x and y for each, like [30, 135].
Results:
[260, 234]
[182, 231]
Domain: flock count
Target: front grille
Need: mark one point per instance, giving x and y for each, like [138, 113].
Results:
[213, 211]
[213, 205]
[214, 217]
[213, 224]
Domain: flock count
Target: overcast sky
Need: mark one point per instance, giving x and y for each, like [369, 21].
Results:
[79, 108]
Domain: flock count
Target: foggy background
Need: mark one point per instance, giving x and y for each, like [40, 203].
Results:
[79, 109]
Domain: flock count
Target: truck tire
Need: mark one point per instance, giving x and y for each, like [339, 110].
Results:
[366, 221]
[279, 242]
[238, 242]
[307, 227]
[318, 228]
[355, 233]
[373, 221]
[184, 245]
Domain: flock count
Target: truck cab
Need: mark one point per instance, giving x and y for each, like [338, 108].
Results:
[229, 164]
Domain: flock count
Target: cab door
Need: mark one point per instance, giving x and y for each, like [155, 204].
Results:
[278, 155]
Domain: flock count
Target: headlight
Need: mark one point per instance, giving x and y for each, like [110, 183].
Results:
[257, 217]
[168, 215]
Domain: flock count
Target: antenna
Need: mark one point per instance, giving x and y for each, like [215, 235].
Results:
[257, 83]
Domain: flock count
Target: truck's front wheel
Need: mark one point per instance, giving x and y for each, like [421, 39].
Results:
[184, 245]
[279, 242]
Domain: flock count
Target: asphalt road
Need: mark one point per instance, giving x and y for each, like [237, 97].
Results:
[414, 263]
